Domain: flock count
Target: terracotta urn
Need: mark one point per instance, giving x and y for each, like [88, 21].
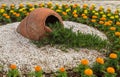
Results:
[34, 26]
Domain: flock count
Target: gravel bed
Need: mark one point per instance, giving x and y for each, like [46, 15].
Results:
[18, 50]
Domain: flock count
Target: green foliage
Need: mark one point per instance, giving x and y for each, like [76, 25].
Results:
[69, 39]
[61, 74]
[13, 73]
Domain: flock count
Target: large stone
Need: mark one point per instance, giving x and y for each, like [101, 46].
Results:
[34, 26]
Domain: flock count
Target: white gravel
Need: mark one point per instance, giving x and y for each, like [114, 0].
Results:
[15, 49]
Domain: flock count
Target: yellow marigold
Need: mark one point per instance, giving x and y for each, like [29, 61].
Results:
[111, 70]
[2, 10]
[108, 14]
[101, 8]
[84, 62]
[58, 10]
[88, 72]
[13, 66]
[100, 60]
[93, 20]
[38, 68]
[11, 11]
[75, 15]
[103, 19]
[7, 17]
[31, 9]
[62, 69]
[85, 11]
[117, 33]
[113, 55]
[94, 16]
[108, 9]
[101, 22]
[116, 16]
[103, 15]
[64, 13]
[85, 17]
[118, 23]
[68, 10]
[112, 17]
[112, 28]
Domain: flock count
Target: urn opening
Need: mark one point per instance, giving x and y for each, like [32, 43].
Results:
[51, 20]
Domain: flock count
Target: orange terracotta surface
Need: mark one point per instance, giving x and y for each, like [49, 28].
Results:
[34, 25]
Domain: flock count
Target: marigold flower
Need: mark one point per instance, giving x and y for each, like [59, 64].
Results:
[17, 15]
[2, 10]
[112, 17]
[84, 62]
[12, 5]
[103, 19]
[94, 16]
[62, 69]
[117, 33]
[75, 15]
[13, 66]
[101, 22]
[31, 9]
[85, 11]
[11, 11]
[4, 15]
[88, 72]
[111, 70]
[30, 5]
[107, 23]
[100, 60]
[74, 12]
[85, 17]
[110, 21]
[113, 28]
[21, 5]
[118, 23]
[113, 55]
[14, 13]
[93, 20]
[108, 14]
[101, 8]
[64, 13]
[58, 10]
[38, 68]
[7, 17]
[85, 6]
[116, 16]
[3, 5]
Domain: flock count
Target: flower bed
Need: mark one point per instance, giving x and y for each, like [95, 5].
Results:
[105, 21]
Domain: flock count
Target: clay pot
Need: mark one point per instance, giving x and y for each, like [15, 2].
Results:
[34, 26]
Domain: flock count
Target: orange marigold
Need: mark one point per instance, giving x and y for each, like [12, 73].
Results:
[111, 70]
[7, 17]
[118, 23]
[13, 66]
[94, 16]
[5, 14]
[117, 33]
[85, 6]
[93, 20]
[112, 28]
[100, 60]
[84, 62]
[113, 55]
[85, 17]
[64, 13]
[62, 69]
[38, 68]
[103, 19]
[17, 15]
[75, 15]
[21, 5]
[107, 24]
[88, 72]
[101, 22]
